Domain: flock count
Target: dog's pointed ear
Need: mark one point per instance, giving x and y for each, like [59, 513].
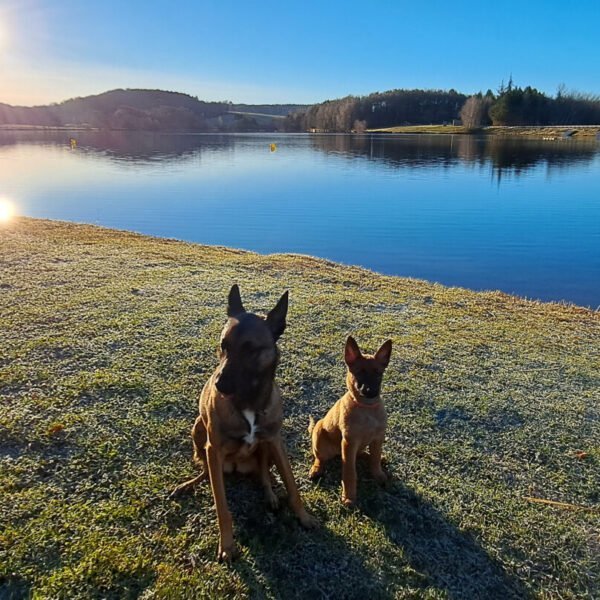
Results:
[351, 352]
[234, 302]
[276, 318]
[382, 356]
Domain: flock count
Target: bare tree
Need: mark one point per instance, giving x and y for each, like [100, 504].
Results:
[359, 126]
[473, 114]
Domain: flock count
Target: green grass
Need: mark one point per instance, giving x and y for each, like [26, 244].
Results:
[106, 339]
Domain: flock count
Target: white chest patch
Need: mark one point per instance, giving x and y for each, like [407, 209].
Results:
[250, 416]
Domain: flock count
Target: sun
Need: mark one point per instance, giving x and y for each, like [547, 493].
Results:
[7, 210]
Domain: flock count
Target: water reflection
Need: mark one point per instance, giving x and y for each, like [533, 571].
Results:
[505, 156]
[124, 146]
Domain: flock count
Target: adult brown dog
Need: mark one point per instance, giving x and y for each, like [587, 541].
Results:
[357, 420]
[240, 419]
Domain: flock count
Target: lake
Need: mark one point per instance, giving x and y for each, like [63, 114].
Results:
[522, 216]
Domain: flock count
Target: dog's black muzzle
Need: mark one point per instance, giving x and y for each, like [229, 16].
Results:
[369, 391]
[224, 383]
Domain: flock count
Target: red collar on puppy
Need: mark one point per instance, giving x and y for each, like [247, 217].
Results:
[364, 404]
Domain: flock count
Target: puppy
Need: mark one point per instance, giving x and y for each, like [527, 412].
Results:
[355, 421]
[239, 426]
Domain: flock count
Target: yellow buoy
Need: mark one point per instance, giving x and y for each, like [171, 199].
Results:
[73, 143]
[273, 147]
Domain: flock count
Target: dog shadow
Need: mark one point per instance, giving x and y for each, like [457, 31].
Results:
[448, 559]
[429, 554]
[278, 557]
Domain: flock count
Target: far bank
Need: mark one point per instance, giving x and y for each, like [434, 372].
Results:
[549, 132]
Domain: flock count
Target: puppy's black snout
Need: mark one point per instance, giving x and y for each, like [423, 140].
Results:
[370, 391]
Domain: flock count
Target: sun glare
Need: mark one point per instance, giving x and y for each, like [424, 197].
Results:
[7, 210]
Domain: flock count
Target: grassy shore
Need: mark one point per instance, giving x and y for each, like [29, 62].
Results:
[106, 338]
[551, 131]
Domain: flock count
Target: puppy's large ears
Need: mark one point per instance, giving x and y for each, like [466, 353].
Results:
[351, 352]
[382, 356]
[276, 318]
[234, 302]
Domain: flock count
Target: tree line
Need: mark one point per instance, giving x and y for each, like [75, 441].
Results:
[381, 109]
[510, 105]
[514, 105]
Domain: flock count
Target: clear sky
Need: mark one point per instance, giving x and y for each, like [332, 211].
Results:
[286, 51]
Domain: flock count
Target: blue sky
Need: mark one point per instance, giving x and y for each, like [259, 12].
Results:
[292, 51]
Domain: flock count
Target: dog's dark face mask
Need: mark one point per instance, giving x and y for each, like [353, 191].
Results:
[366, 372]
[248, 350]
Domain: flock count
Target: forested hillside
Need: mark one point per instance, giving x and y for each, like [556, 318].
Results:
[510, 105]
[120, 109]
[153, 110]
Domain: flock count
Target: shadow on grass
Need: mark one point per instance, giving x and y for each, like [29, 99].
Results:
[282, 560]
[425, 554]
[14, 587]
[450, 560]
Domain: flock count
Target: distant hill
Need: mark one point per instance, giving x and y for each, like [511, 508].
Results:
[153, 110]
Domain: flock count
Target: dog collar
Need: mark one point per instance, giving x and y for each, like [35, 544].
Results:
[365, 405]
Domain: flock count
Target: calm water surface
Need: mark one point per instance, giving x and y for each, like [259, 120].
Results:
[522, 216]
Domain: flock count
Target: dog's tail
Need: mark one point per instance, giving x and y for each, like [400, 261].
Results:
[311, 424]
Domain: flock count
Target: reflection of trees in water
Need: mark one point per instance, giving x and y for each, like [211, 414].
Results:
[406, 151]
[504, 155]
[125, 146]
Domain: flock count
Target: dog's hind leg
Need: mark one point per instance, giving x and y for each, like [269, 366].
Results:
[199, 439]
[188, 485]
[199, 442]
[375, 462]
[323, 449]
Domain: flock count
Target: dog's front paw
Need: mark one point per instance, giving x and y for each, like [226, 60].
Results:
[348, 502]
[227, 553]
[308, 521]
[381, 477]
[271, 500]
[315, 473]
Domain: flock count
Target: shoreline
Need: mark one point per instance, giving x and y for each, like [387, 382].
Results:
[545, 132]
[317, 259]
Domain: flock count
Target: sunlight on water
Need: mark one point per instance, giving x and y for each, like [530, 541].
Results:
[7, 210]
